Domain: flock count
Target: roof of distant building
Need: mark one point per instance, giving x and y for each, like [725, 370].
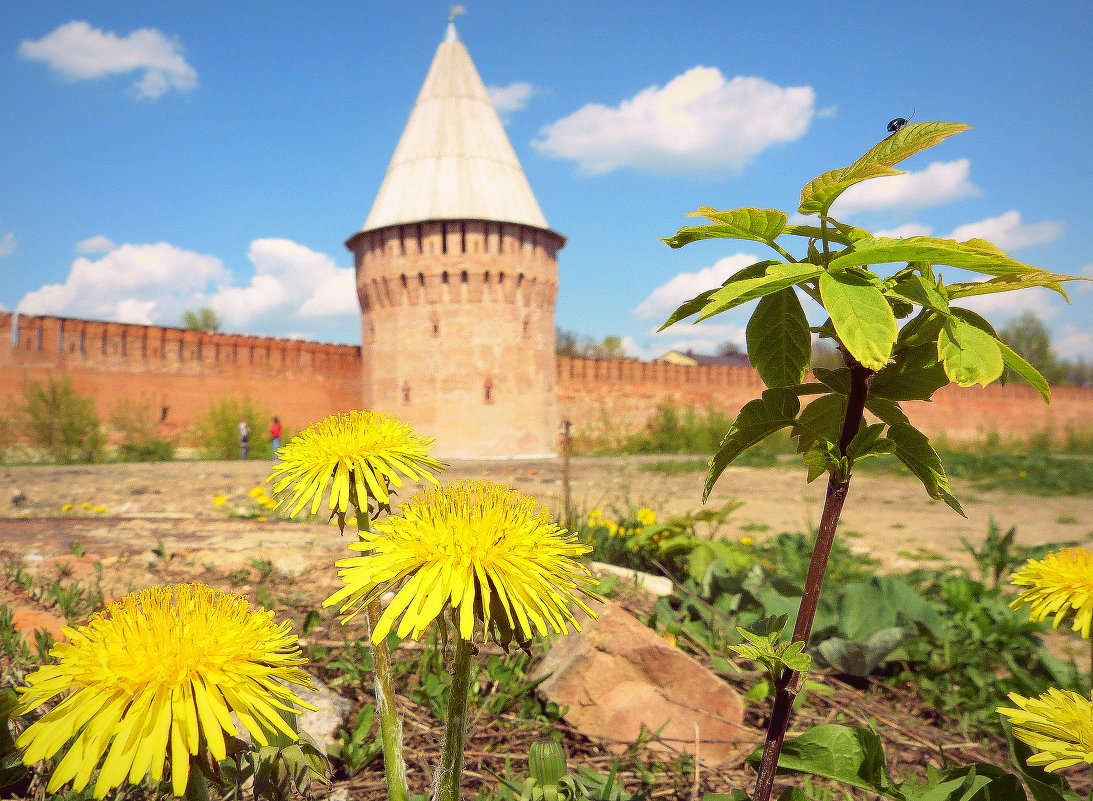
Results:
[689, 357]
[454, 160]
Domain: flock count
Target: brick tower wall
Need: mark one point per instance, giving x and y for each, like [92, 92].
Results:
[180, 370]
[457, 333]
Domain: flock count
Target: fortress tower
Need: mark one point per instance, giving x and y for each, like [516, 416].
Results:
[456, 274]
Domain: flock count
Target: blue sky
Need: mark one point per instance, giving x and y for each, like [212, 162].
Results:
[157, 157]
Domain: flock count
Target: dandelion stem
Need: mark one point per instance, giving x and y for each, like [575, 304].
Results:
[786, 688]
[446, 787]
[394, 763]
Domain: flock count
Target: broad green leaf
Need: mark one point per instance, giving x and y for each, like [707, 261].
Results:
[822, 419]
[860, 658]
[848, 754]
[969, 354]
[837, 380]
[760, 418]
[757, 225]
[696, 304]
[922, 292]
[815, 232]
[914, 450]
[976, 255]
[861, 316]
[822, 457]
[869, 442]
[914, 374]
[821, 192]
[779, 343]
[740, 292]
[1010, 282]
[1014, 362]
[922, 330]
[979, 781]
[885, 410]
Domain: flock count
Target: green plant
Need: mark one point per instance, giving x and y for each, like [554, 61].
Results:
[357, 746]
[137, 424]
[217, 431]
[885, 364]
[62, 421]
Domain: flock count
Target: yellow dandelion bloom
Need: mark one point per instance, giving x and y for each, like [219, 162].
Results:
[612, 527]
[745, 540]
[66, 507]
[219, 500]
[364, 450]
[87, 505]
[257, 492]
[646, 516]
[595, 515]
[1060, 584]
[157, 673]
[99, 510]
[1058, 724]
[268, 503]
[478, 547]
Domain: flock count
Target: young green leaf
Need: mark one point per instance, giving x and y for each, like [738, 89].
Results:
[779, 343]
[914, 374]
[779, 276]
[757, 225]
[820, 421]
[914, 450]
[697, 303]
[921, 292]
[821, 192]
[969, 354]
[861, 316]
[1010, 282]
[976, 255]
[1014, 362]
[759, 418]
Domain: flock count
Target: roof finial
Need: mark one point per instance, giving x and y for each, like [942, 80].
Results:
[455, 12]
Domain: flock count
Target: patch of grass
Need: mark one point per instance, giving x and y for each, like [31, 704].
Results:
[673, 468]
[1032, 472]
[750, 526]
[1066, 520]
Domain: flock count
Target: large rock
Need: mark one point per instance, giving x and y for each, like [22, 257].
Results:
[618, 676]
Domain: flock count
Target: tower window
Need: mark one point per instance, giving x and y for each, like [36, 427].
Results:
[444, 277]
[435, 321]
[526, 329]
[405, 391]
[488, 391]
[463, 277]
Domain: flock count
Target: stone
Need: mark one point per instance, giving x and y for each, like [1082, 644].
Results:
[618, 676]
[654, 585]
[27, 620]
[18, 498]
[323, 724]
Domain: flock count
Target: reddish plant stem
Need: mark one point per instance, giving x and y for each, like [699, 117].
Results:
[787, 687]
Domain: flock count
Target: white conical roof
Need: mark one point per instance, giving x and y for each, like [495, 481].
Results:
[454, 160]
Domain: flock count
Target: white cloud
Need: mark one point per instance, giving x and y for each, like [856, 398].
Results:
[667, 297]
[7, 244]
[507, 99]
[95, 244]
[128, 284]
[79, 52]
[1010, 304]
[289, 272]
[698, 121]
[1074, 344]
[1008, 232]
[154, 284]
[700, 338]
[940, 183]
[905, 231]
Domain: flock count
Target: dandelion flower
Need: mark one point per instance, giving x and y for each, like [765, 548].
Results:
[478, 547]
[87, 505]
[159, 672]
[257, 492]
[646, 516]
[746, 540]
[1058, 724]
[1059, 584]
[66, 508]
[219, 500]
[99, 510]
[362, 450]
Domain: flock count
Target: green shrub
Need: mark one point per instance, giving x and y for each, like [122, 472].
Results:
[63, 422]
[217, 432]
[140, 439]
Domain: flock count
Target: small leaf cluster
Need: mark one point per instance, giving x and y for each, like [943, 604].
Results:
[764, 647]
[937, 342]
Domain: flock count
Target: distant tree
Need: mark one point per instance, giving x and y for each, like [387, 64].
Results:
[1029, 336]
[729, 349]
[609, 348]
[567, 343]
[203, 319]
[826, 355]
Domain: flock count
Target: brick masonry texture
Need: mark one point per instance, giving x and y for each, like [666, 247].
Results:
[187, 371]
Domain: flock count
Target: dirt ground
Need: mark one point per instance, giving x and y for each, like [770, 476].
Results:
[135, 506]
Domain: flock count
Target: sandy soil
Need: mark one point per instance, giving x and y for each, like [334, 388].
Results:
[140, 505]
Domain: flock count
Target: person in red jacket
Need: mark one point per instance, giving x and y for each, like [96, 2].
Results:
[275, 437]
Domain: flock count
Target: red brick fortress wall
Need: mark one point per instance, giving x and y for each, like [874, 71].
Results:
[608, 399]
[184, 371]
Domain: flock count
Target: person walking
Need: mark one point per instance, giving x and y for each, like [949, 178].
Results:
[244, 440]
[275, 437]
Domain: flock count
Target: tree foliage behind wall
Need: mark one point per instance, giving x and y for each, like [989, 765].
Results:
[62, 421]
[217, 431]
